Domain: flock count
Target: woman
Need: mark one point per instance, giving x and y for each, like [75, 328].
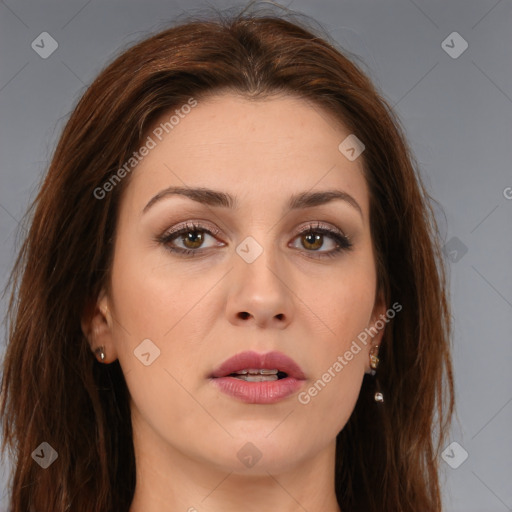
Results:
[231, 295]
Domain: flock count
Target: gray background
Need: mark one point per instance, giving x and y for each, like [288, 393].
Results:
[457, 113]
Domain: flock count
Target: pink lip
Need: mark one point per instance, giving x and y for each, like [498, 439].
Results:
[258, 392]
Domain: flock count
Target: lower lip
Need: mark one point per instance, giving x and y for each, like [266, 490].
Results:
[258, 392]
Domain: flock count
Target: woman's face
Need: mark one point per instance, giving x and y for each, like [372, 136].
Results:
[250, 282]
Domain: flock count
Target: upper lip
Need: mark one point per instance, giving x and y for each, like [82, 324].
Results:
[253, 360]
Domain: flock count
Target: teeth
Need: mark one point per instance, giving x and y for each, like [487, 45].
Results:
[256, 377]
[254, 371]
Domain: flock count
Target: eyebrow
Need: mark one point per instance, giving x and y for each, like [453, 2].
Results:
[217, 198]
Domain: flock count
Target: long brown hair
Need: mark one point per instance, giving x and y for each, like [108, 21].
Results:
[53, 389]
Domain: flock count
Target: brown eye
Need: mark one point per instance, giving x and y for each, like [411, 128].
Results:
[313, 239]
[192, 238]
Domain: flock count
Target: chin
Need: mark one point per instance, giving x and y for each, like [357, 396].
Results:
[257, 454]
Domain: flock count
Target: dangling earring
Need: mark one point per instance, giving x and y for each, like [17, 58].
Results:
[374, 363]
[100, 352]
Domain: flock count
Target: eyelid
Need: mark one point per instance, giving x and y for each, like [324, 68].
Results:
[192, 225]
[313, 225]
[201, 225]
[342, 240]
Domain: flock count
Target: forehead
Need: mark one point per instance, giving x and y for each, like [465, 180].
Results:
[274, 147]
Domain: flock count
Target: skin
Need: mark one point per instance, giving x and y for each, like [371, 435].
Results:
[186, 432]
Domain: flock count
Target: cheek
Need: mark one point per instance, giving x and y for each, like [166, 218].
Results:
[333, 390]
[174, 311]
[345, 303]
[166, 312]
[330, 400]
[345, 307]
[151, 293]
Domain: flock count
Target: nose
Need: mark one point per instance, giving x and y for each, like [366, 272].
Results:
[260, 293]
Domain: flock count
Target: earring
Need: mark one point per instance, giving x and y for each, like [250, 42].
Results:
[374, 363]
[374, 359]
[100, 352]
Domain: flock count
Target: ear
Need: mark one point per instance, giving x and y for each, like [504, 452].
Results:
[377, 326]
[97, 326]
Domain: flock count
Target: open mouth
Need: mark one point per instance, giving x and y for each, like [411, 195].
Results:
[256, 378]
[255, 375]
[250, 366]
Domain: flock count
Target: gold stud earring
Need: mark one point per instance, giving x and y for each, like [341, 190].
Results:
[374, 359]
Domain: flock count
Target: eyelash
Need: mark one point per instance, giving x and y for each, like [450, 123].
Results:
[343, 242]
